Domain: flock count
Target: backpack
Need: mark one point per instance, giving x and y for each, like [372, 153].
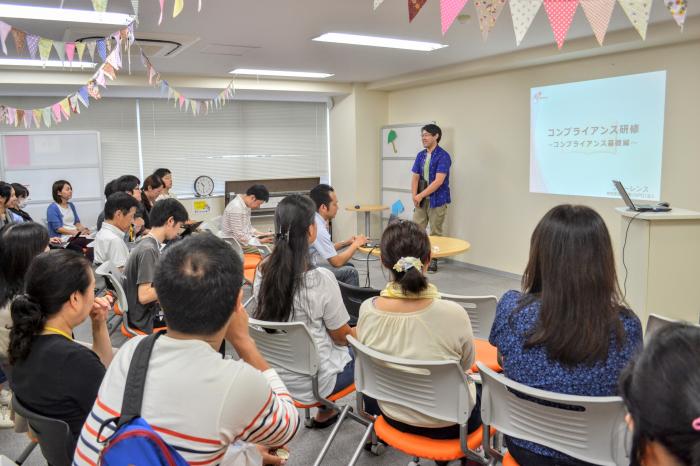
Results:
[134, 441]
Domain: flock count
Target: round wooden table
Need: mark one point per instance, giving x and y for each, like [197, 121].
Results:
[442, 246]
[367, 209]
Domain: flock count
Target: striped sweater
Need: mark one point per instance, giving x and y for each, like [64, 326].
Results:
[198, 402]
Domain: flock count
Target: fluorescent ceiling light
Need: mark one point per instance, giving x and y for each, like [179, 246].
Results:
[47, 64]
[375, 41]
[64, 14]
[287, 74]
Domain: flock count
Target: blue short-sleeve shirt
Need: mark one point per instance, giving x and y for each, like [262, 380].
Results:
[440, 162]
[322, 248]
[533, 367]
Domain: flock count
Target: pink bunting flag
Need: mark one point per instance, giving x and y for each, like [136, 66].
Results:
[488, 11]
[523, 12]
[598, 13]
[560, 14]
[70, 51]
[100, 78]
[160, 18]
[678, 9]
[56, 110]
[4, 32]
[11, 114]
[181, 99]
[449, 10]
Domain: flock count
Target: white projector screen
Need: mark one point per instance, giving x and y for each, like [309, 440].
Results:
[585, 134]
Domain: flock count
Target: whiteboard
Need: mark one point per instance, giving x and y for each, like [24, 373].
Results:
[407, 143]
[37, 159]
[389, 197]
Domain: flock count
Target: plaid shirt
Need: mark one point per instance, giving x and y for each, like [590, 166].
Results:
[440, 162]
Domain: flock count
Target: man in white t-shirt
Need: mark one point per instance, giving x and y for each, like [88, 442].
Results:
[235, 222]
[208, 408]
[323, 251]
[109, 241]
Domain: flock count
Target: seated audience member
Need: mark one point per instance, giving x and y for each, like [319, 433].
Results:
[19, 244]
[61, 215]
[151, 189]
[129, 184]
[409, 320]
[199, 282]
[167, 218]
[7, 200]
[662, 392]
[569, 330]
[21, 195]
[289, 288]
[109, 241]
[236, 223]
[324, 252]
[109, 190]
[51, 374]
[167, 177]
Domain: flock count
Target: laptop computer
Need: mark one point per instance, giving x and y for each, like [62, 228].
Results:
[638, 207]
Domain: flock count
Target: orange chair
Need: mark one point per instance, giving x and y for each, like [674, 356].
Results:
[487, 354]
[290, 346]
[435, 388]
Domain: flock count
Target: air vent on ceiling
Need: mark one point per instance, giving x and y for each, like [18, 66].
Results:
[153, 45]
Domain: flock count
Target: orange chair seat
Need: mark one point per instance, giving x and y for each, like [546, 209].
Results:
[424, 447]
[117, 310]
[128, 334]
[335, 396]
[487, 354]
[509, 460]
[250, 261]
[249, 275]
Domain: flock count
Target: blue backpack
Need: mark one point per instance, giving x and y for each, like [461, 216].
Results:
[134, 441]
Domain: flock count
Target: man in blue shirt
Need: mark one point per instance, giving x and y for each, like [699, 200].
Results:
[430, 184]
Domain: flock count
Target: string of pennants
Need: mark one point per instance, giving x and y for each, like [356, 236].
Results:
[559, 12]
[178, 6]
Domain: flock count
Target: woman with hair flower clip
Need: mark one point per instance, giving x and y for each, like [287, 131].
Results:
[409, 320]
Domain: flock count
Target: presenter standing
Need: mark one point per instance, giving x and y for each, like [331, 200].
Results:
[430, 184]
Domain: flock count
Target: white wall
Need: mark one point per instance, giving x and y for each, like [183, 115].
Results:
[486, 125]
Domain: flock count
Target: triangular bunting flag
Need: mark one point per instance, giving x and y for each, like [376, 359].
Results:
[80, 48]
[100, 5]
[11, 115]
[74, 106]
[177, 7]
[28, 119]
[32, 44]
[678, 9]
[20, 38]
[598, 13]
[180, 99]
[91, 49]
[56, 111]
[45, 46]
[84, 96]
[199, 6]
[102, 49]
[108, 70]
[20, 117]
[414, 7]
[560, 14]
[638, 13]
[135, 6]
[488, 11]
[36, 115]
[94, 90]
[70, 51]
[4, 32]
[60, 50]
[187, 104]
[523, 12]
[65, 108]
[160, 18]
[46, 114]
[100, 78]
[377, 3]
[449, 10]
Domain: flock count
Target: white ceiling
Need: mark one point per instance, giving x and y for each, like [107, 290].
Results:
[277, 34]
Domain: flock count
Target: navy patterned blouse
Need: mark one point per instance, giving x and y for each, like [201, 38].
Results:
[533, 367]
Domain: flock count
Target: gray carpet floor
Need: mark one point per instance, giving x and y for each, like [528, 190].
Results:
[452, 278]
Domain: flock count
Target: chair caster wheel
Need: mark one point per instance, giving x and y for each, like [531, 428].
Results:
[377, 449]
[309, 423]
[413, 463]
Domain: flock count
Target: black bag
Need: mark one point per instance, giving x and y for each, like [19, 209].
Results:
[422, 186]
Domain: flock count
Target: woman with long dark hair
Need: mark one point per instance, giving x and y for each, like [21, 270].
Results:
[151, 189]
[167, 176]
[7, 200]
[52, 374]
[569, 330]
[662, 392]
[288, 288]
[410, 320]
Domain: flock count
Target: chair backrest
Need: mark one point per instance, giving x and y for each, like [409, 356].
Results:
[213, 225]
[235, 245]
[353, 297]
[481, 310]
[656, 322]
[116, 279]
[54, 435]
[588, 428]
[286, 345]
[435, 388]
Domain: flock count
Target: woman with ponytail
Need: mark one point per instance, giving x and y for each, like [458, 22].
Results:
[52, 374]
[409, 320]
[288, 288]
[662, 392]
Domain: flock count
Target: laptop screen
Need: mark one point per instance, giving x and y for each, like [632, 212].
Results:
[623, 193]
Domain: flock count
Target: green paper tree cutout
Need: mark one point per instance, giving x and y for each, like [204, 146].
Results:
[390, 138]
